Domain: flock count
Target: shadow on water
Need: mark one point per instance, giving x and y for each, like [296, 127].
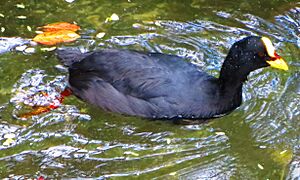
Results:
[259, 140]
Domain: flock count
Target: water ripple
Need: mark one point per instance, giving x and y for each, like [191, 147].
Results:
[59, 143]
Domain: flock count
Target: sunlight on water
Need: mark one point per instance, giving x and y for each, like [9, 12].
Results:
[258, 140]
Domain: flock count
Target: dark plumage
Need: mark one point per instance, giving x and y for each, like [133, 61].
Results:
[155, 85]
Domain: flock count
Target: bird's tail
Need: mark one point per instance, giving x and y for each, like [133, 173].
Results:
[68, 56]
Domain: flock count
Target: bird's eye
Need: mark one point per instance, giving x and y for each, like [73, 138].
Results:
[261, 54]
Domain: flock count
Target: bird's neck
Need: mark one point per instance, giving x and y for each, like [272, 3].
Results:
[232, 76]
[230, 92]
[231, 81]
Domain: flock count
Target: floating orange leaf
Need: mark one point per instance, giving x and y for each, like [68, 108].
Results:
[60, 26]
[36, 111]
[55, 37]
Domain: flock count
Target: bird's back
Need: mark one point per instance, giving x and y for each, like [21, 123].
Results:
[144, 84]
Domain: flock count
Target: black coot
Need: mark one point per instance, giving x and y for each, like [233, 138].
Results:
[155, 85]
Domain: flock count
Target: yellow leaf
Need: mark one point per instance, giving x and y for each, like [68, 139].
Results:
[172, 173]
[36, 111]
[22, 17]
[29, 50]
[131, 153]
[282, 152]
[8, 142]
[100, 35]
[39, 32]
[21, 48]
[21, 6]
[48, 49]
[60, 26]
[113, 17]
[260, 166]
[220, 133]
[29, 28]
[55, 37]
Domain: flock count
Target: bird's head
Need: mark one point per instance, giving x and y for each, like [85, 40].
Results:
[249, 54]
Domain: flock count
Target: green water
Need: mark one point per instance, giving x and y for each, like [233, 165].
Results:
[259, 140]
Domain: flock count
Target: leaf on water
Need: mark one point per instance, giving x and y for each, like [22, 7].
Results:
[60, 26]
[29, 50]
[260, 166]
[21, 48]
[172, 173]
[21, 6]
[48, 49]
[282, 157]
[8, 142]
[57, 33]
[262, 147]
[220, 133]
[69, 1]
[113, 17]
[157, 23]
[100, 35]
[131, 153]
[2, 15]
[29, 28]
[282, 152]
[39, 32]
[136, 25]
[36, 111]
[55, 37]
[22, 17]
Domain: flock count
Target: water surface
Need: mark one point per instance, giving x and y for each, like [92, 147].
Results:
[259, 140]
